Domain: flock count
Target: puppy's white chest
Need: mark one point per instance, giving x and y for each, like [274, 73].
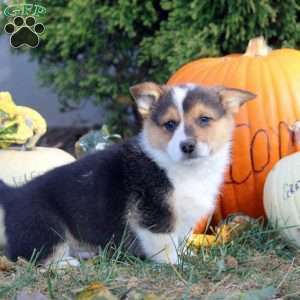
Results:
[194, 197]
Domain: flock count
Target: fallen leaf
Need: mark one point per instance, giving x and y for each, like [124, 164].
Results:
[31, 296]
[5, 264]
[202, 240]
[150, 297]
[95, 291]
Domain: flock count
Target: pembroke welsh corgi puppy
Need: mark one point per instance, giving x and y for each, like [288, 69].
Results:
[146, 193]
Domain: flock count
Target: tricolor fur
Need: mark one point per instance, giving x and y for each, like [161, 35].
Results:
[146, 193]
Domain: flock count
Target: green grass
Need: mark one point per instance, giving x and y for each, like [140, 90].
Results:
[255, 261]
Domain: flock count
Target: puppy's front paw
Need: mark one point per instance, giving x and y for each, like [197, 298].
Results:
[160, 247]
[67, 262]
[167, 257]
[173, 259]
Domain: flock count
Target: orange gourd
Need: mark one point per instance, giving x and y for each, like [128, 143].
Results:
[264, 127]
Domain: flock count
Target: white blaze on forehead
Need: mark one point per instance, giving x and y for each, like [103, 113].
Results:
[179, 94]
[173, 148]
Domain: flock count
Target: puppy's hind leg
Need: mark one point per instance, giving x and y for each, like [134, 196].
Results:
[60, 257]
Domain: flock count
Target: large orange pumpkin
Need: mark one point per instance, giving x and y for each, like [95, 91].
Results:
[263, 131]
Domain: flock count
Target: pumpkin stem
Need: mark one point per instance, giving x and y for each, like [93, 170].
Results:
[257, 47]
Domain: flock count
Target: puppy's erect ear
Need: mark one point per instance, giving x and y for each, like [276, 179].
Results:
[145, 95]
[232, 99]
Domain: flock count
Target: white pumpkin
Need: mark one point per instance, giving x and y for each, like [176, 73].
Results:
[282, 197]
[18, 167]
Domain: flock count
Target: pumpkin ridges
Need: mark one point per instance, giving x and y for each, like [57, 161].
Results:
[290, 96]
[291, 74]
[238, 68]
[202, 71]
[275, 152]
[204, 75]
[232, 203]
[260, 124]
[221, 70]
[254, 83]
[287, 78]
[237, 172]
[285, 112]
[253, 112]
[243, 63]
[231, 66]
[177, 77]
[270, 94]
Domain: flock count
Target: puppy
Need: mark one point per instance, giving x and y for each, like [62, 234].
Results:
[145, 194]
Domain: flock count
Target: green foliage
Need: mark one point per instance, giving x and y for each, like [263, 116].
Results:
[96, 49]
[211, 28]
[4, 131]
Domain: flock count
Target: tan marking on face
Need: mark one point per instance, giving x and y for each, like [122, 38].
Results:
[158, 135]
[216, 134]
[200, 109]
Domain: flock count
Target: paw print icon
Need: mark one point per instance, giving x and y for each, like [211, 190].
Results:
[24, 32]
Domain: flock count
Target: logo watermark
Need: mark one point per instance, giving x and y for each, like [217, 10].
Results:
[24, 30]
[34, 10]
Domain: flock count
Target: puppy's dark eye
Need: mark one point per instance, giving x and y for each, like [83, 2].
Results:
[170, 125]
[204, 121]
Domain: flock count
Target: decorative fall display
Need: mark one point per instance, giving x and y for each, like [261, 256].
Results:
[19, 124]
[17, 167]
[23, 126]
[95, 140]
[95, 290]
[263, 133]
[233, 226]
[282, 197]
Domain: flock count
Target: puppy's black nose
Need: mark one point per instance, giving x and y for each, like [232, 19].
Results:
[188, 146]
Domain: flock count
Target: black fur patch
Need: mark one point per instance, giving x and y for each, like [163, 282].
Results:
[89, 198]
[160, 107]
[204, 96]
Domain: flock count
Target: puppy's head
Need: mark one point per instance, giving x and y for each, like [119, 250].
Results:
[188, 122]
